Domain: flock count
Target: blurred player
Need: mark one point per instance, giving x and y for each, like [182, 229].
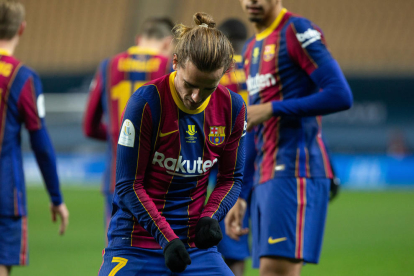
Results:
[292, 80]
[21, 102]
[115, 81]
[174, 130]
[235, 252]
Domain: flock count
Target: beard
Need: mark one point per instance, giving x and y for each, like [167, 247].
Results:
[255, 19]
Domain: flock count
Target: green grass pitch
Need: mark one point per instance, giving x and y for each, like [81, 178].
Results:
[367, 233]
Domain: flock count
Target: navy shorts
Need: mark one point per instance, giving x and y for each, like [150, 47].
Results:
[288, 218]
[13, 241]
[232, 249]
[135, 261]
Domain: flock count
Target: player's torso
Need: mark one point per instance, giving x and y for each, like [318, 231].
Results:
[12, 198]
[286, 145]
[123, 75]
[185, 149]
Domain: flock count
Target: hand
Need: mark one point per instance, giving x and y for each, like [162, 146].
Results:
[335, 187]
[258, 113]
[63, 213]
[208, 233]
[176, 256]
[234, 220]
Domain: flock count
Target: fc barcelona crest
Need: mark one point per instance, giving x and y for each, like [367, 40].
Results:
[269, 52]
[217, 135]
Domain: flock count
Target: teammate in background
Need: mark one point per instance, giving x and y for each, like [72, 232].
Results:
[292, 80]
[234, 252]
[21, 102]
[174, 130]
[115, 81]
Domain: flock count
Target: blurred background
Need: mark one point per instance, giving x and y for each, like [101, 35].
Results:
[372, 144]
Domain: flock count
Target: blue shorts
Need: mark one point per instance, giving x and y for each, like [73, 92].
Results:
[288, 218]
[232, 249]
[13, 241]
[135, 261]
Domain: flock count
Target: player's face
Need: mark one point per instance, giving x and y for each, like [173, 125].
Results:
[258, 10]
[194, 86]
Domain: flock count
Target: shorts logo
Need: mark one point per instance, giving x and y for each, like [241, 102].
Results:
[217, 135]
[127, 135]
[191, 131]
[273, 241]
[269, 52]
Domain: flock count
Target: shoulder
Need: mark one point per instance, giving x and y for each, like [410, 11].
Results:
[300, 23]
[236, 100]
[25, 73]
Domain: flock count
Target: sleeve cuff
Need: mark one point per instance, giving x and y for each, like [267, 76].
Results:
[56, 200]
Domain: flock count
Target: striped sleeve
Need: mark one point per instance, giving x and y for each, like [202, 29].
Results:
[31, 104]
[231, 167]
[133, 154]
[306, 45]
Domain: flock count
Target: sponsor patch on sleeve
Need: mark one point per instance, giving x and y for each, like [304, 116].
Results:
[127, 135]
[41, 106]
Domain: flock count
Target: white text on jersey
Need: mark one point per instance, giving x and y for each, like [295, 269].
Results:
[310, 35]
[259, 82]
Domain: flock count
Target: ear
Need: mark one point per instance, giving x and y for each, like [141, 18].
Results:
[175, 62]
[21, 28]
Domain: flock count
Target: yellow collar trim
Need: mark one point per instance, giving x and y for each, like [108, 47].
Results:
[136, 50]
[4, 52]
[272, 27]
[178, 101]
[238, 58]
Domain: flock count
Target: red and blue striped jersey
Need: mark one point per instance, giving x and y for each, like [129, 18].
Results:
[22, 102]
[278, 63]
[115, 81]
[235, 80]
[164, 156]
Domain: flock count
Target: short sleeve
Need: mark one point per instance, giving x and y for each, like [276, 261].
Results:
[31, 103]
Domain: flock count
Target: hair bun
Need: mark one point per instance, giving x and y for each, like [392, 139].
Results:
[203, 18]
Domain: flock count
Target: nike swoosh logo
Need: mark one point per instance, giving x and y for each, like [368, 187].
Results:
[273, 241]
[168, 133]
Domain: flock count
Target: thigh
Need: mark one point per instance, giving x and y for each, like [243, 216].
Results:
[133, 262]
[206, 262]
[13, 241]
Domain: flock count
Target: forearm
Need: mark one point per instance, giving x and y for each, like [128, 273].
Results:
[138, 202]
[46, 160]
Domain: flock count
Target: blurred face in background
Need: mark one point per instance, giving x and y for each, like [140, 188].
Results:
[194, 86]
[259, 11]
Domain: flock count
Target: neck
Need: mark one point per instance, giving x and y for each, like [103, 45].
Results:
[9, 45]
[266, 22]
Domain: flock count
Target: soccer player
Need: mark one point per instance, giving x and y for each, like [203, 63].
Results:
[115, 81]
[235, 252]
[292, 80]
[21, 102]
[174, 130]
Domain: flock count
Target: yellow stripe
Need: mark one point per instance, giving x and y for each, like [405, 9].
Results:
[4, 52]
[179, 102]
[237, 58]
[272, 27]
[135, 50]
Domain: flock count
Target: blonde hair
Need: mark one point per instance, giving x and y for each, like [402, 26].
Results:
[12, 14]
[204, 45]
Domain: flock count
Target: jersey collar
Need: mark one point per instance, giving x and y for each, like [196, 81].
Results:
[4, 52]
[136, 50]
[178, 101]
[272, 27]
